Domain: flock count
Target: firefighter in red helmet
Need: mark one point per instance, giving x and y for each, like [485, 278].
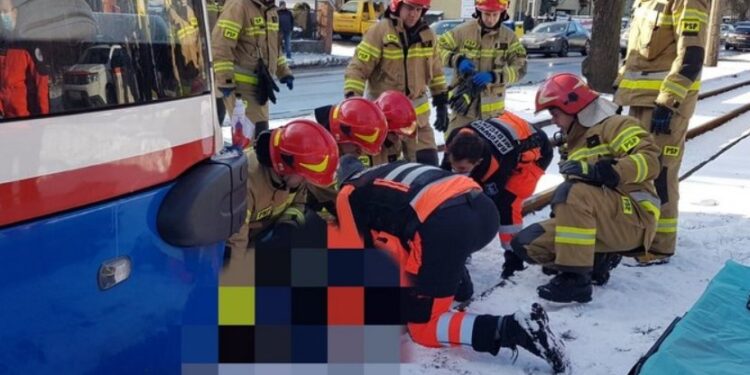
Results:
[400, 53]
[402, 125]
[487, 58]
[607, 204]
[360, 128]
[283, 161]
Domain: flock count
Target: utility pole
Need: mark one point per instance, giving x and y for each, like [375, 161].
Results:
[712, 46]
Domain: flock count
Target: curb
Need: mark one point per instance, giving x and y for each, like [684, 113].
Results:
[328, 61]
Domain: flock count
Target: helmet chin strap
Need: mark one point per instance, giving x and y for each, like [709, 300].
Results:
[478, 15]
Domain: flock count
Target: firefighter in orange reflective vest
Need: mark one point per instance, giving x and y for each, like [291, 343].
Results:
[24, 80]
[507, 157]
[282, 162]
[607, 204]
[430, 220]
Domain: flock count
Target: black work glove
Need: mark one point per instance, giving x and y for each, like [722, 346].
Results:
[660, 120]
[441, 107]
[461, 103]
[512, 264]
[289, 81]
[601, 173]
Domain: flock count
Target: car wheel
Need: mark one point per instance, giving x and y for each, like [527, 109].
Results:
[586, 49]
[563, 49]
[727, 47]
[345, 37]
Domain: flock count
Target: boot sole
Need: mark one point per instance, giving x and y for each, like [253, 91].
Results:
[580, 298]
[552, 348]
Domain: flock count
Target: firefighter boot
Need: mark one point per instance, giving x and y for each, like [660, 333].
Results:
[652, 259]
[603, 263]
[567, 287]
[530, 330]
[465, 287]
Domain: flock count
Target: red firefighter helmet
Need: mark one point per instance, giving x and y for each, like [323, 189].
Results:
[565, 91]
[425, 4]
[399, 112]
[492, 5]
[361, 122]
[305, 148]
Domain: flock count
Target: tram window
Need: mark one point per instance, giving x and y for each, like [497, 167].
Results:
[59, 56]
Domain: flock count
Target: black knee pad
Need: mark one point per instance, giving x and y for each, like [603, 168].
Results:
[525, 237]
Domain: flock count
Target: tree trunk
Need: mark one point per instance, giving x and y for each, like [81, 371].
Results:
[600, 67]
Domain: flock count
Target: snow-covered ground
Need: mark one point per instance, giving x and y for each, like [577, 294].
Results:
[608, 335]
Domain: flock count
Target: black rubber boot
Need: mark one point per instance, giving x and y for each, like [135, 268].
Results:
[567, 287]
[603, 263]
[465, 287]
[530, 330]
[549, 271]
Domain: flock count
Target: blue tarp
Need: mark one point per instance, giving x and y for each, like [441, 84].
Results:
[714, 336]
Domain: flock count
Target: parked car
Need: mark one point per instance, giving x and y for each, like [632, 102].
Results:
[726, 29]
[739, 38]
[558, 38]
[442, 27]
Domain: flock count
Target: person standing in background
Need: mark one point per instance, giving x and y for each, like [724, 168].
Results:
[286, 26]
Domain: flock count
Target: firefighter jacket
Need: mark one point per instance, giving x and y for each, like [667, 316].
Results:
[498, 51]
[184, 33]
[246, 32]
[635, 155]
[391, 58]
[24, 82]
[268, 199]
[213, 8]
[516, 149]
[665, 54]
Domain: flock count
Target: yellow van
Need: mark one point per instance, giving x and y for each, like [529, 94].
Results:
[356, 16]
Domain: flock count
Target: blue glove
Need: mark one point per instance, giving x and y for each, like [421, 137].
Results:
[226, 91]
[483, 79]
[465, 66]
[289, 80]
[660, 120]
